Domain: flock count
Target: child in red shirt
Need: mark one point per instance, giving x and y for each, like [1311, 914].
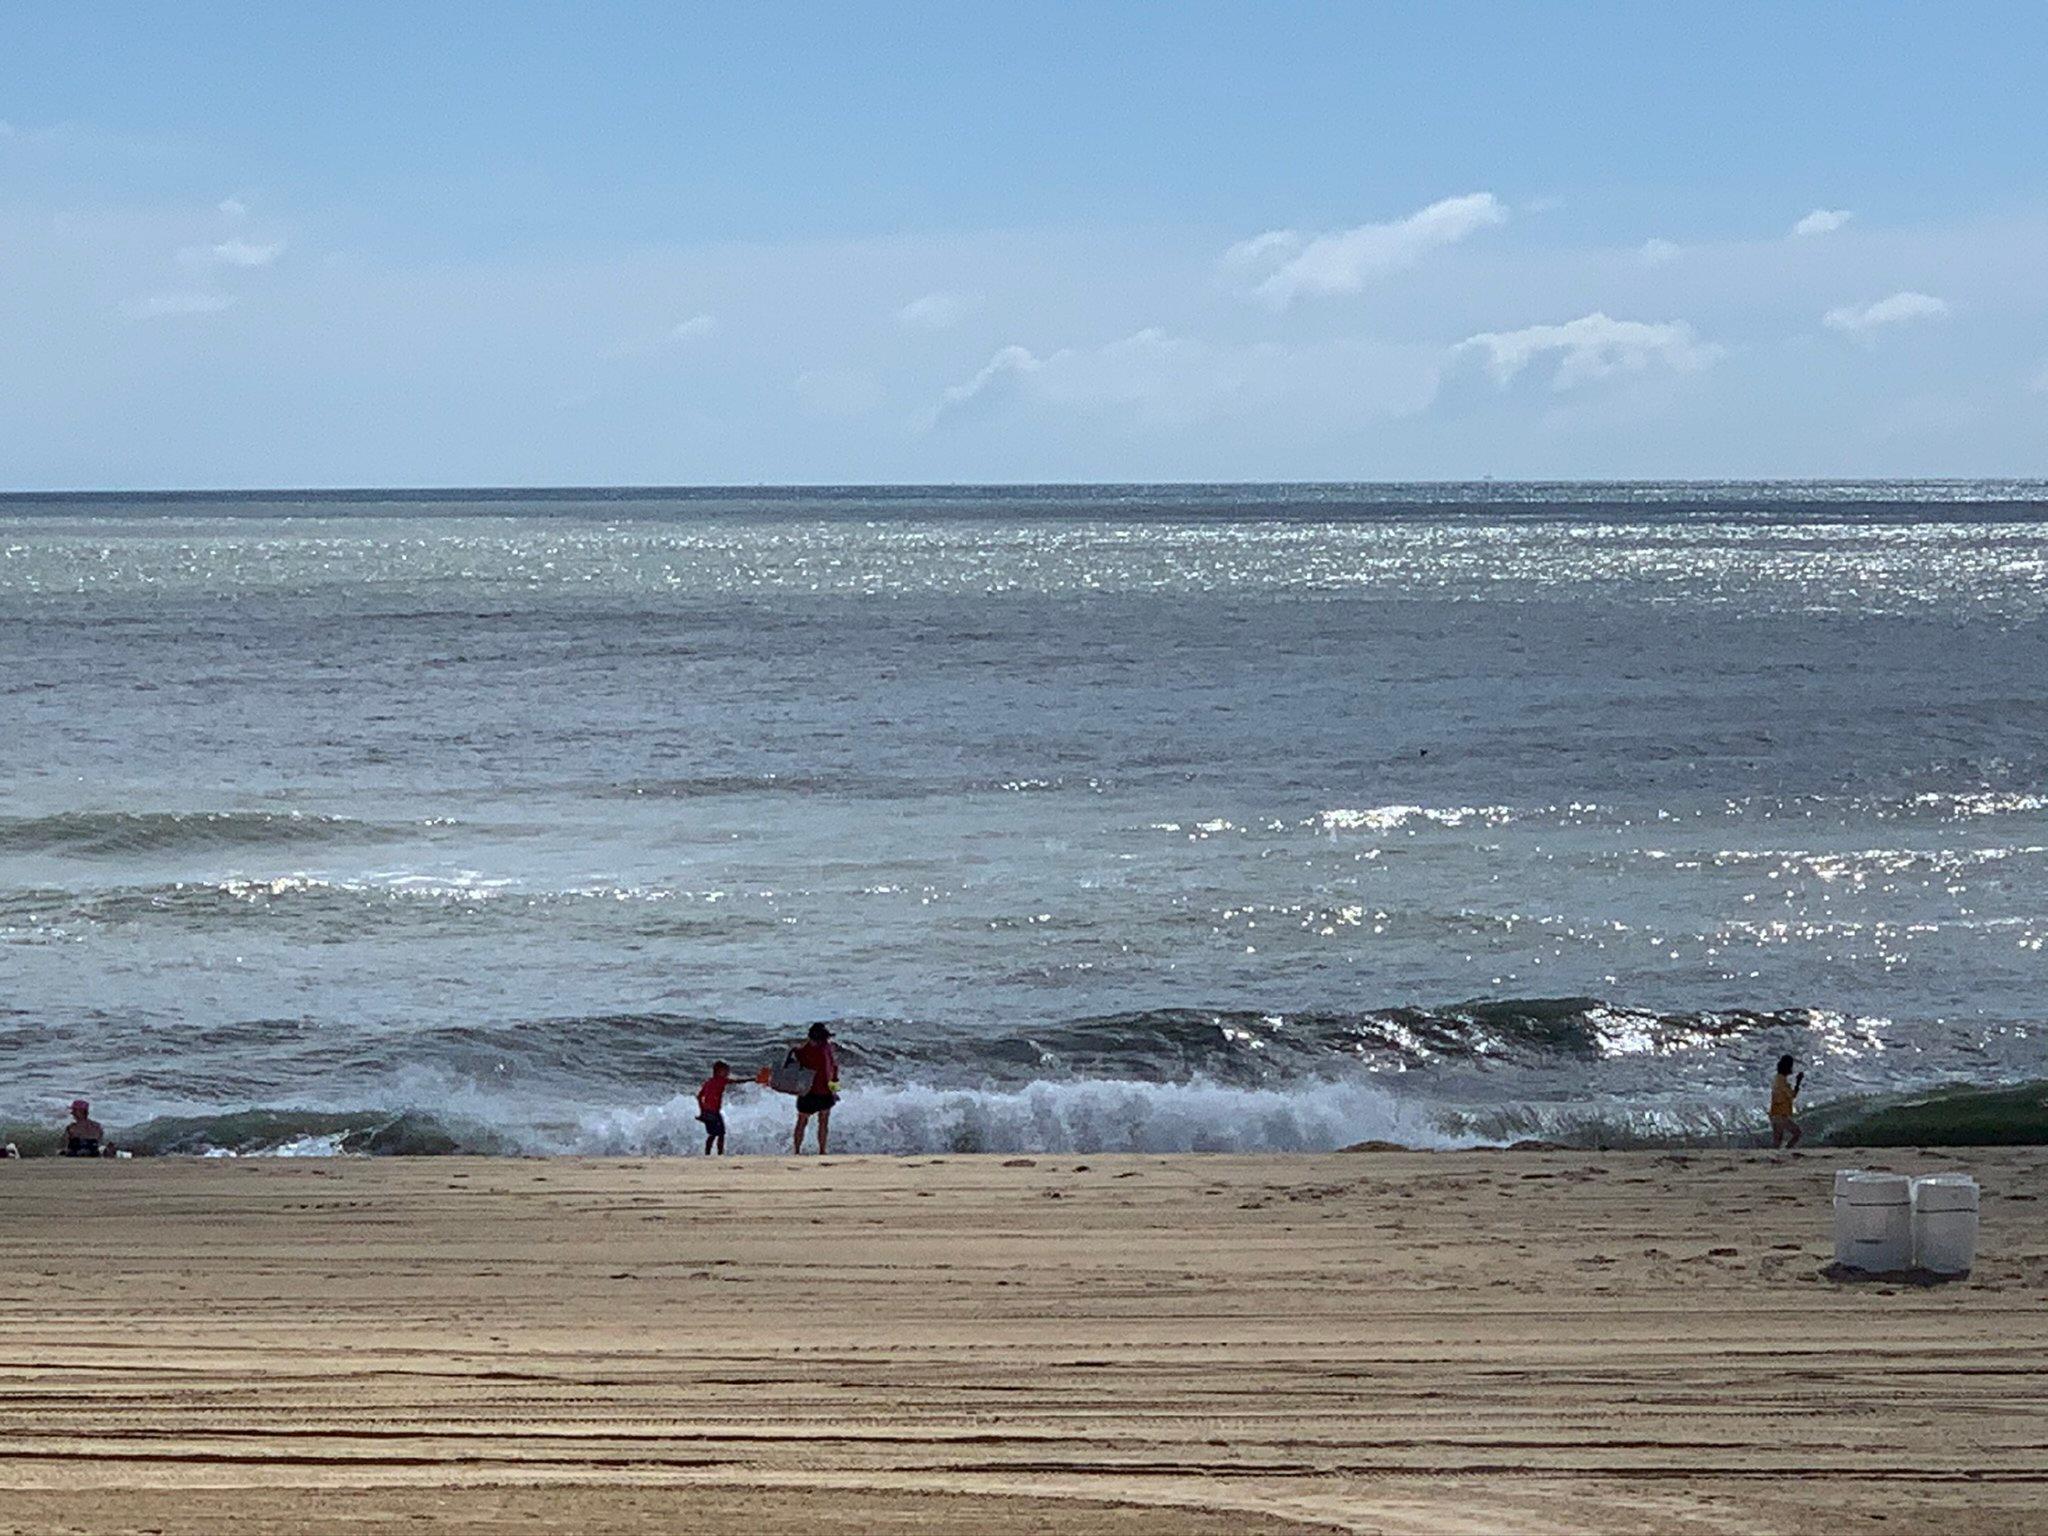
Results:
[711, 1106]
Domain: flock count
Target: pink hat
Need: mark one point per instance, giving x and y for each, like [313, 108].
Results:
[80, 1107]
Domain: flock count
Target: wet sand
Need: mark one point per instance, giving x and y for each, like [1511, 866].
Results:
[1520, 1343]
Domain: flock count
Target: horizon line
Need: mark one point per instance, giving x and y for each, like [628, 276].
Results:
[799, 487]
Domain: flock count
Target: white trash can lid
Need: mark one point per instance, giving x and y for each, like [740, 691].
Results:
[1877, 1189]
[1842, 1178]
[1945, 1192]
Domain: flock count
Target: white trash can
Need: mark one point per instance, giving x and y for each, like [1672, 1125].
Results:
[1945, 1223]
[1874, 1221]
[1843, 1254]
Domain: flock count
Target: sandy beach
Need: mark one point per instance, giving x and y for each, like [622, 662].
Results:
[1376, 1342]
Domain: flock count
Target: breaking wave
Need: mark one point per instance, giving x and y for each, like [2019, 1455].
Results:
[1250, 1046]
[416, 904]
[1073, 1117]
[1096, 1116]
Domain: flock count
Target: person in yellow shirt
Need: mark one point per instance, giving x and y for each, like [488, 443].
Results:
[1785, 1087]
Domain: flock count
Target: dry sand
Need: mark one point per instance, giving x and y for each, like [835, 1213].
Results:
[1472, 1342]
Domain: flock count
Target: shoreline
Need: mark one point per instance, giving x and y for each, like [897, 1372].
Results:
[1376, 1341]
[1950, 1114]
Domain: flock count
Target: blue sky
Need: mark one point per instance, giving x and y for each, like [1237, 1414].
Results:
[504, 244]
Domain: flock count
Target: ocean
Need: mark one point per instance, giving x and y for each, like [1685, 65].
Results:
[1137, 817]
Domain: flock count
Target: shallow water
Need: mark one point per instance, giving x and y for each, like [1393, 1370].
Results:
[1135, 816]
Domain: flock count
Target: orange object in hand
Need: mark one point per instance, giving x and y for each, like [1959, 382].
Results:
[764, 1077]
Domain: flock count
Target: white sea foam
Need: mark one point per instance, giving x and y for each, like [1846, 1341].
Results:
[1980, 803]
[1082, 1116]
[309, 1146]
[1393, 818]
[456, 887]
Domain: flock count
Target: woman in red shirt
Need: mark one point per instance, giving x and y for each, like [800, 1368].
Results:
[816, 1053]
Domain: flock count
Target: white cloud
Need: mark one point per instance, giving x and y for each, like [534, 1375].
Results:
[390, 311]
[1155, 379]
[692, 328]
[1822, 221]
[997, 381]
[248, 253]
[1592, 347]
[159, 305]
[935, 311]
[233, 253]
[1262, 251]
[1862, 319]
[1657, 252]
[233, 208]
[1344, 261]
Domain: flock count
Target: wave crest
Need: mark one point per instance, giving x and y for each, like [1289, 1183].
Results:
[1073, 1117]
[109, 833]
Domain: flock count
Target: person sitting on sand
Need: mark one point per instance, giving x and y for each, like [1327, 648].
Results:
[1785, 1130]
[816, 1053]
[83, 1136]
[711, 1107]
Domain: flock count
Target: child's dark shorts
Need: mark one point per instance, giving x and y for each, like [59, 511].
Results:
[714, 1123]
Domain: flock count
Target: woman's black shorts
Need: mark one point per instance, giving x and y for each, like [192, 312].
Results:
[815, 1103]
